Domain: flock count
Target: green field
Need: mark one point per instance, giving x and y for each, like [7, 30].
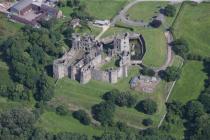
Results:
[193, 24]
[145, 10]
[191, 83]
[104, 9]
[75, 96]
[99, 9]
[52, 122]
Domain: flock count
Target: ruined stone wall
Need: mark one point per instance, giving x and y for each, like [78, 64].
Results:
[97, 61]
[85, 76]
[110, 76]
[113, 76]
[59, 71]
[100, 75]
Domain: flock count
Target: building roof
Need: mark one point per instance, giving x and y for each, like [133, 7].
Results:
[22, 4]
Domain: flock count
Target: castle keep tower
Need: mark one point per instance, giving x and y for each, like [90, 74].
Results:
[121, 43]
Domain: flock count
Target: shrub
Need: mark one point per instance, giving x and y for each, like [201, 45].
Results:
[125, 27]
[111, 95]
[170, 74]
[61, 110]
[82, 116]
[156, 23]
[180, 47]
[61, 3]
[104, 112]
[193, 110]
[147, 122]
[170, 10]
[147, 71]
[147, 106]
[120, 99]
[121, 126]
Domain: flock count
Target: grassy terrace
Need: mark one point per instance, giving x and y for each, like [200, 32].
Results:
[75, 95]
[193, 25]
[52, 122]
[191, 83]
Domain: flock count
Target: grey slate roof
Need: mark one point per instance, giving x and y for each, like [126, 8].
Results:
[22, 4]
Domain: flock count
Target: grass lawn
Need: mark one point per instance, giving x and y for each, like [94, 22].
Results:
[110, 64]
[54, 123]
[190, 84]
[145, 10]
[66, 11]
[7, 27]
[156, 47]
[104, 9]
[193, 24]
[93, 30]
[73, 94]
[177, 61]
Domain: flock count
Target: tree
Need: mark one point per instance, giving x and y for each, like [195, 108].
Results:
[41, 134]
[193, 110]
[111, 95]
[82, 116]
[147, 122]
[120, 98]
[73, 3]
[147, 71]
[156, 23]
[170, 10]
[175, 107]
[61, 3]
[48, 23]
[148, 106]
[201, 129]
[45, 89]
[205, 100]
[170, 74]
[70, 136]
[61, 110]
[16, 123]
[180, 47]
[104, 112]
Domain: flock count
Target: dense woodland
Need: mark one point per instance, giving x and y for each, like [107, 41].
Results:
[30, 53]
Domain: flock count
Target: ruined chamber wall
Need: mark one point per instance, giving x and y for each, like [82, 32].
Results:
[110, 76]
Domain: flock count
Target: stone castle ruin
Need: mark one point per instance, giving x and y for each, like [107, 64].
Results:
[84, 60]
